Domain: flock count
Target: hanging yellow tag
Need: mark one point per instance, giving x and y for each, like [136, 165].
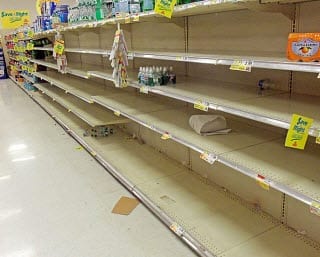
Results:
[298, 132]
[166, 136]
[15, 40]
[24, 67]
[242, 65]
[30, 46]
[25, 58]
[30, 34]
[262, 182]
[165, 7]
[201, 105]
[59, 47]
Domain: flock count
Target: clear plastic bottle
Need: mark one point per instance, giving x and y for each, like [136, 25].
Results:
[264, 84]
[139, 75]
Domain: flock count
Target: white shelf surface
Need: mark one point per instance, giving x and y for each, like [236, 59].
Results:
[239, 230]
[76, 87]
[274, 63]
[71, 69]
[273, 107]
[92, 114]
[175, 122]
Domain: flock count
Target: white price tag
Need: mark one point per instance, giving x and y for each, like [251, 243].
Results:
[318, 76]
[242, 65]
[177, 229]
[208, 157]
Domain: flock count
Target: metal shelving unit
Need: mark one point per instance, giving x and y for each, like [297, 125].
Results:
[172, 118]
[242, 101]
[273, 63]
[91, 114]
[162, 184]
[235, 232]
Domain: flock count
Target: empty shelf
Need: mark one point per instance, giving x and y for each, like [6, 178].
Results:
[90, 113]
[175, 123]
[272, 107]
[221, 222]
[76, 86]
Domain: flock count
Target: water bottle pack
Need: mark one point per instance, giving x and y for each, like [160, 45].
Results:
[156, 76]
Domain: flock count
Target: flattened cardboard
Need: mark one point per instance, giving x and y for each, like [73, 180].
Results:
[125, 205]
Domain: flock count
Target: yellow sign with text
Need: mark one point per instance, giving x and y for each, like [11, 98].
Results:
[165, 7]
[12, 19]
[298, 132]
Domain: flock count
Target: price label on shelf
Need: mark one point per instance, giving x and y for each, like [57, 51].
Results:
[262, 182]
[318, 138]
[177, 229]
[127, 19]
[298, 132]
[117, 113]
[166, 136]
[24, 67]
[25, 58]
[242, 65]
[93, 153]
[201, 105]
[144, 90]
[208, 157]
[318, 76]
[136, 17]
[315, 208]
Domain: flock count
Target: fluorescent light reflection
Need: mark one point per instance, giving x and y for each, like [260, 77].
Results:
[9, 213]
[21, 253]
[5, 177]
[17, 147]
[22, 159]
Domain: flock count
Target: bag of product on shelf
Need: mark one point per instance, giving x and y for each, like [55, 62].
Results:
[303, 47]
[206, 125]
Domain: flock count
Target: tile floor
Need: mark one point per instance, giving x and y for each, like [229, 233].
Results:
[56, 201]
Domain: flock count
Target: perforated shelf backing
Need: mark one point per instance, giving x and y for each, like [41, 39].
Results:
[93, 114]
[201, 208]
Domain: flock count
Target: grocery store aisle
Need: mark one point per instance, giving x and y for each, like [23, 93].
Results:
[55, 200]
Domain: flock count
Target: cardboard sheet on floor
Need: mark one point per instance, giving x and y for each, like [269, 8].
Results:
[125, 205]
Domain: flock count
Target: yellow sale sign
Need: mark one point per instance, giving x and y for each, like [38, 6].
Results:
[12, 19]
[298, 132]
[165, 7]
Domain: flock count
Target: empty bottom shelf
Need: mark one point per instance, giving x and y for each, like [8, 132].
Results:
[223, 223]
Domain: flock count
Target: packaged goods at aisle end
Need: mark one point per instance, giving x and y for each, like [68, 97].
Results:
[303, 47]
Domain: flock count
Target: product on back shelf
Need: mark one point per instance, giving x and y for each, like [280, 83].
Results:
[303, 47]
[156, 76]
